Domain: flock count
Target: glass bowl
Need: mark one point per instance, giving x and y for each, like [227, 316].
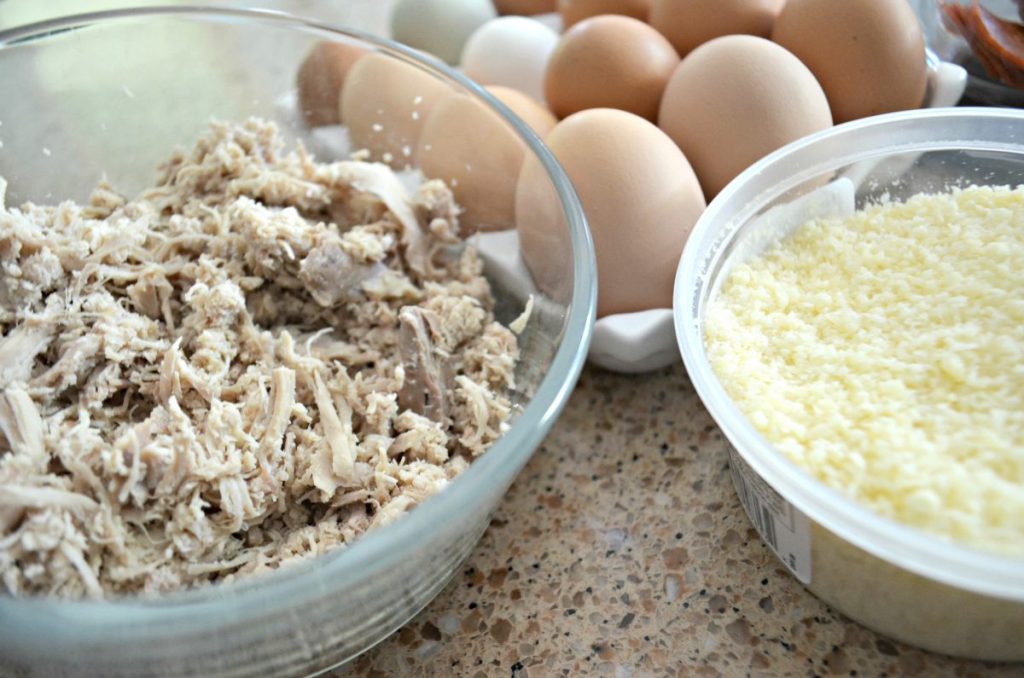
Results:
[112, 94]
[899, 581]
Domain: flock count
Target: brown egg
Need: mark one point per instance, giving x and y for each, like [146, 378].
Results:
[526, 7]
[868, 55]
[320, 78]
[574, 11]
[735, 99]
[473, 150]
[689, 23]
[641, 199]
[534, 113]
[385, 102]
[611, 62]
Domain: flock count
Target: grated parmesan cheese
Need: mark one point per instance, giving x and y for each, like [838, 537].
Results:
[884, 353]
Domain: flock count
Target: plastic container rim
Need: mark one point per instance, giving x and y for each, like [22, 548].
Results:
[921, 553]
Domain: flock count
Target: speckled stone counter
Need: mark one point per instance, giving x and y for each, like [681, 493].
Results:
[622, 550]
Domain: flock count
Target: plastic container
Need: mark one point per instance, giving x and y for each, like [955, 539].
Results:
[892, 578]
[114, 93]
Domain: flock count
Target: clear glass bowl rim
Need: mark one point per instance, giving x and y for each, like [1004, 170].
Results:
[285, 589]
[911, 549]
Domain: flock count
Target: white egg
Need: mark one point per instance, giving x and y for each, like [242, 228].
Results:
[512, 51]
[439, 27]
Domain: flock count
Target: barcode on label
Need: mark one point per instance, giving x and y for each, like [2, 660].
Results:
[759, 514]
[784, 528]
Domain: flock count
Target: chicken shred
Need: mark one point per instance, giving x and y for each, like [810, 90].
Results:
[255, 361]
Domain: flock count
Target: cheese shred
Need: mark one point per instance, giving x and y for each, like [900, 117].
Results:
[884, 354]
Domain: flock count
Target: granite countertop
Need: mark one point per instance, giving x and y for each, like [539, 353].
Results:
[622, 550]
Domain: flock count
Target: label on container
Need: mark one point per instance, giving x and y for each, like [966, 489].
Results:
[785, 529]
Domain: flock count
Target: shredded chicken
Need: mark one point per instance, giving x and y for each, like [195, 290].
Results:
[257, 360]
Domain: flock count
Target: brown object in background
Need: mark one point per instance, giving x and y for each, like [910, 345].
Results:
[524, 7]
[575, 11]
[609, 62]
[998, 45]
[320, 78]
